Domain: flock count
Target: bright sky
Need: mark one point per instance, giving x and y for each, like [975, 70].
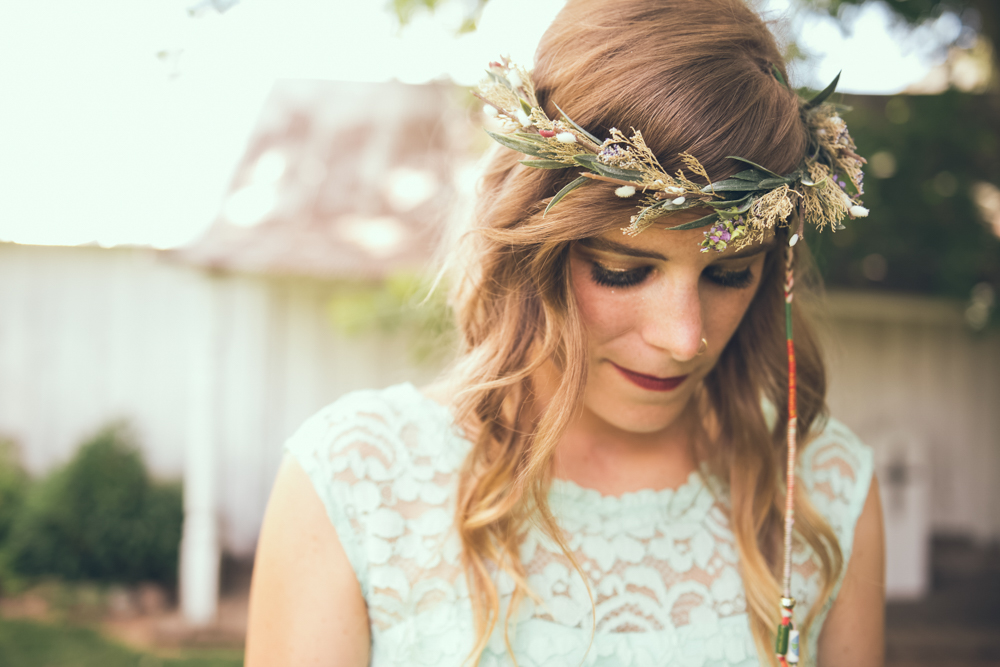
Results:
[102, 140]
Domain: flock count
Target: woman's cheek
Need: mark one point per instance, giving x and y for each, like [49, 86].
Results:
[723, 319]
[727, 306]
[604, 311]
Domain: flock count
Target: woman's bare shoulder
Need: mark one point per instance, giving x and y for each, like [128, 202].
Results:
[306, 605]
[854, 630]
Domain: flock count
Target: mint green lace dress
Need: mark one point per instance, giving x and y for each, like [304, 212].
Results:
[663, 565]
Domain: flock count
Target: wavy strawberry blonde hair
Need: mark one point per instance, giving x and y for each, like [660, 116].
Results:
[695, 76]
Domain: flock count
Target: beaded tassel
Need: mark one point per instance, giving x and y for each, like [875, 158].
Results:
[786, 645]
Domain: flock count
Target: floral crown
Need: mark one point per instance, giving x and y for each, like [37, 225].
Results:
[743, 206]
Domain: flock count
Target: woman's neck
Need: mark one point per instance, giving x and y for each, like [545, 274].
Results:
[600, 456]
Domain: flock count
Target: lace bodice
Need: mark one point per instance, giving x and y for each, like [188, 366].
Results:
[663, 565]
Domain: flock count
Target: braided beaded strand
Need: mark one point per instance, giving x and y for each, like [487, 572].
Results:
[787, 640]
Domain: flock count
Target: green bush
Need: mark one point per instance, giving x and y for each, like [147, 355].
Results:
[13, 486]
[13, 490]
[100, 517]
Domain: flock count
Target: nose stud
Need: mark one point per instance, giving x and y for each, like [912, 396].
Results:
[703, 348]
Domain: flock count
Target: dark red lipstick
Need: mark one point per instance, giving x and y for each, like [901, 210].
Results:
[650, 382]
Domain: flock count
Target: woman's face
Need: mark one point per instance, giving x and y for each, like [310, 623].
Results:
[646, 303]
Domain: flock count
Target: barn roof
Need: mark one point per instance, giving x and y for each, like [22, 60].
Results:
[340, 180]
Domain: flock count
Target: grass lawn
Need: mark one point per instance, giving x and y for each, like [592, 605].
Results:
[32, 644]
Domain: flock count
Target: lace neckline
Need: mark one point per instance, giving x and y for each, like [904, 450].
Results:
[570, 496]
[567, 488]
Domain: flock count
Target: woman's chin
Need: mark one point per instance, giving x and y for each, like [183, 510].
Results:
[634, 417]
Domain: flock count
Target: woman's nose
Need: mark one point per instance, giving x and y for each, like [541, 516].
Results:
[673, 322]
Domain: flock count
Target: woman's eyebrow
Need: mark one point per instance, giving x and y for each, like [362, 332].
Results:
[607, 245]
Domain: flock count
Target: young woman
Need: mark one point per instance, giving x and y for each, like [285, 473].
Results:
[600, 478]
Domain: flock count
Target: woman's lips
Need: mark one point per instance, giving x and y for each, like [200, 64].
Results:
[650, 382]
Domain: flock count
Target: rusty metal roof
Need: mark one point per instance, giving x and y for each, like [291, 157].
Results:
[340, 180]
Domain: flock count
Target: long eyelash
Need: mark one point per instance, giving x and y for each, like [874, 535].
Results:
[736, 279]
[626, 278]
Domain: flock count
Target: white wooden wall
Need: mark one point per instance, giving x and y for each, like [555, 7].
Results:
[908, 366]
[88, 335]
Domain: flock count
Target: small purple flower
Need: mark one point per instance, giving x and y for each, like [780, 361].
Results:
[722, 233]
[611, 154]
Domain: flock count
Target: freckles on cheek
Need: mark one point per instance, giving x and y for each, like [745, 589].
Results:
[605, 312]
[722, 321]
[727, 310]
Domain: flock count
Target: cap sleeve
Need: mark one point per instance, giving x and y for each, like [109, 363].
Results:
[341, 448]
[382, 464]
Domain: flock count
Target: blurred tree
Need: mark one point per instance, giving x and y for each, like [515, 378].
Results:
[927, 154]
[403, 303]
[934, 161]
[405, 10]
[984, 17]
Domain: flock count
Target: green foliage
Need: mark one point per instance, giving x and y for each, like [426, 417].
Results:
[405, 10]
[30, 644]
[100, 518]
[925, 154]
[400, 305]
[13, 486]
[912, 11]
[984, 15]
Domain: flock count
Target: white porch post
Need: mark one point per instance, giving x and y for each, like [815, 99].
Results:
[199, 554]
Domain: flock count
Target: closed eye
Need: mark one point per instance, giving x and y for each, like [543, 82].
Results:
[618, 277]
[734, 279]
